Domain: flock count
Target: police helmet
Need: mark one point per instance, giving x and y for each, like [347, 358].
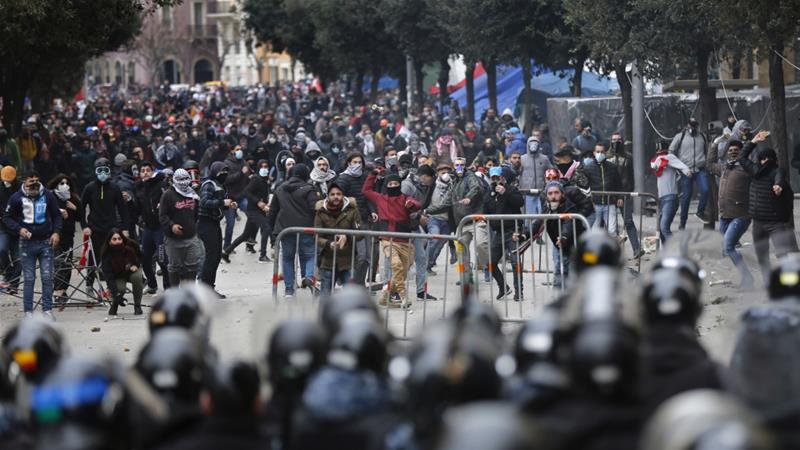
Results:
[33, 347]
[234, 389]
[184, 307]
[685, 266]
[597, 248]
[669, 297]
[174, 364]
[359, 344]
[784, 280]
[538, 351]
[296, 350]
[349, 298]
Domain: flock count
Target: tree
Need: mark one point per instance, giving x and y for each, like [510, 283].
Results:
[52, 38]
[153, 46]
[770, 29]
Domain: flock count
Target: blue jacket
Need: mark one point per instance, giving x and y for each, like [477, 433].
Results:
[518, 144]
[39, 215]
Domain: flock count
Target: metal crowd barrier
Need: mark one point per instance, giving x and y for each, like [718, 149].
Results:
[388, 236]
[632, 196]
[527, 220]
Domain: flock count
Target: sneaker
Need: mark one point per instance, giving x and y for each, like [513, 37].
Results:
[288, 295]
[425, 296]
[431, 273]
[638, 254]
[28, 314]
[151, 291]
[263, 259]
[502, 294]
[49, 315]
[226, 257]
[405, 304]
[220, 296]
[250, 249]
[453, 258]
[137, 311]
[622, 239]
[517, 296]
[701, 218]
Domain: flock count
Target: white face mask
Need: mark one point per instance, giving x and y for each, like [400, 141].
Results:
[554, 205]
[263, 172]
[63, 188]
[445, 177]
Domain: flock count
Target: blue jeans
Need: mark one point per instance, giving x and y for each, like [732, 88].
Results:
[436, 226]
[604, 217]
[687, 190]
[230, 220]
[533, 204]
[326, 278]
[558, 280]
[669, 206]
[289, 250]
[31, 252]
[732, 230]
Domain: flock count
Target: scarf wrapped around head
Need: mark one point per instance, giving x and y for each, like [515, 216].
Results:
[182, 182]
[446, 141]
[320, 177]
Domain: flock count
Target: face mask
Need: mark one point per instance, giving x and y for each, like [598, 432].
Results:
[588, 161]
[390, 161]
[393, 191]
[600, 157]
[102, 177]
[459, 170]
[221, 177]
[533, 147]
[471, 134]
[445, 177]
[272, 140]
[263, 172]
[33, 190]
[335, 150]
[554, 205]
[63, 188]
[403, 173]
[238, 154]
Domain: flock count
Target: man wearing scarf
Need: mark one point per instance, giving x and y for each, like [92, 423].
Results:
[321, 175]
[352, 181]
[177, 213]
[213, 200]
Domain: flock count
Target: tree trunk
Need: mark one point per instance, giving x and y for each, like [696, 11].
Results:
[358, 90]
[491, 78]
[444, 77]
[470, 76]
[706, 95]
[526, 95]
[420, 101]
[576, 83]
[404, 91]
[777, 92]
[627, 97]
[373, 85]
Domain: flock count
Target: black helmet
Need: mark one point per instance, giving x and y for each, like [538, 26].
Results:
[102, 162]
[359, 344]
[35, 346]
[191, 165]
[296, 350]
[183, 307]
[684, 265]
[234, 389]
[538, 351]
[473, 311]
[669, 297]
[80, 405]
[350, 298]
[784, 281]
[603, 345]
[452, 364]
[704, 419]
[173, 363]
[597, 248]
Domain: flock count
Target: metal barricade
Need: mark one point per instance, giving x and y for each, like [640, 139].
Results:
[373, 265]
[527, 219]
[632, 196]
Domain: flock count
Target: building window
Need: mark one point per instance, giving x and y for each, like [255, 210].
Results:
[273, 74]
[131, 72]
[107, 72]
[197, 13]
[284, 73]
[118, 73]
[166, 17]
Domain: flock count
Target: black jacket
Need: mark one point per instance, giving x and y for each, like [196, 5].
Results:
[214, 433]
[570, 230]
[68, 224]
[236, 180]
[176, 209]
[293, 205]
[107, 208]
[510, 202]
[603, 177]
[352, 188]
[148, 194]
[257, 190]
[5, 194]
[212, 200]
[764, 205]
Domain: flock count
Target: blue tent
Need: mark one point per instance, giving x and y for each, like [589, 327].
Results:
[545, 84]
[385, 83]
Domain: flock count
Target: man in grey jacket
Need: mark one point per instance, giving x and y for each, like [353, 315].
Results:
[533, 165]
[420, 186]
[690, 147]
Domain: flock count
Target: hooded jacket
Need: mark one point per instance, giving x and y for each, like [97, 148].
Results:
[293, 205]
[734, 185]
[346, 218]
[466, 186]
[518, 143]
[236, 180]
[107, 208]
[39, 215]
[392, 213]
[148, 194]
[691, 150]
[764, 204]
[533, 166]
